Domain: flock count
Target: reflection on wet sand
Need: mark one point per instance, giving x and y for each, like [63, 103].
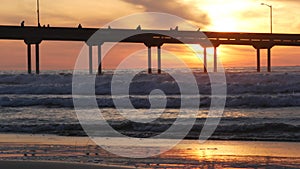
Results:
[232, 154]
[188, 154]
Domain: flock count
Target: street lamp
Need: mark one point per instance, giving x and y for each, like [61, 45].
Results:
[38, 12]
[271, 15]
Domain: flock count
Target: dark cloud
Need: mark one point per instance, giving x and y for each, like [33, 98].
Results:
[174, 7]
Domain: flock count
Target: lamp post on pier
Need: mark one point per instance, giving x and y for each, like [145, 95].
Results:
[271, 15]
[38, 12]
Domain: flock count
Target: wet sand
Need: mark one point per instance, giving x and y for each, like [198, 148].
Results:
[52, 165]
[77, 151]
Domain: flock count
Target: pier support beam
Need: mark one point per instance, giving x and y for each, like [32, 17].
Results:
[149, 60]
[99, 59]
[258, 59]
[37, 58]
[205, 59]
[215, 60]
[269, 59]
[29, 58]
[90, 59]
[159, 59]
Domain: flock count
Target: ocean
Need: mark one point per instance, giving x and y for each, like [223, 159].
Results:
[259, 106]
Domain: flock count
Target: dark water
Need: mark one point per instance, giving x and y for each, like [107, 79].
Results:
[259, 106]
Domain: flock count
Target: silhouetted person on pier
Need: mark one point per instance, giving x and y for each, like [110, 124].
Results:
[48, 26]
[22, 23]
[176, 29]
[79, 26]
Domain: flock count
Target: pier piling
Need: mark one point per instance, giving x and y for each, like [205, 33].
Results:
[37, 58]
[215, 60]
[269, 59]
[90, 59]
[159, 59]
[99, 59]
[258, 59]
[149, 60]
[205, 59]
[29, 58]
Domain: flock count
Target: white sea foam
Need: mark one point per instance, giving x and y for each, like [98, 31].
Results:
[244, 89]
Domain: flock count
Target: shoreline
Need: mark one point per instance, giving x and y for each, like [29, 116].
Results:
[82, 151]
[49, 139]
[86, 138]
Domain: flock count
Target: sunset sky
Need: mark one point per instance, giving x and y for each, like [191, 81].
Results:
[209, 15]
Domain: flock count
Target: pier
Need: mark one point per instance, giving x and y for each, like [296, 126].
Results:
[151, 38]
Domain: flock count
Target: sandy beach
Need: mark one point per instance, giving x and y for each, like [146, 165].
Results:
[42, 151]
[51, 165]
